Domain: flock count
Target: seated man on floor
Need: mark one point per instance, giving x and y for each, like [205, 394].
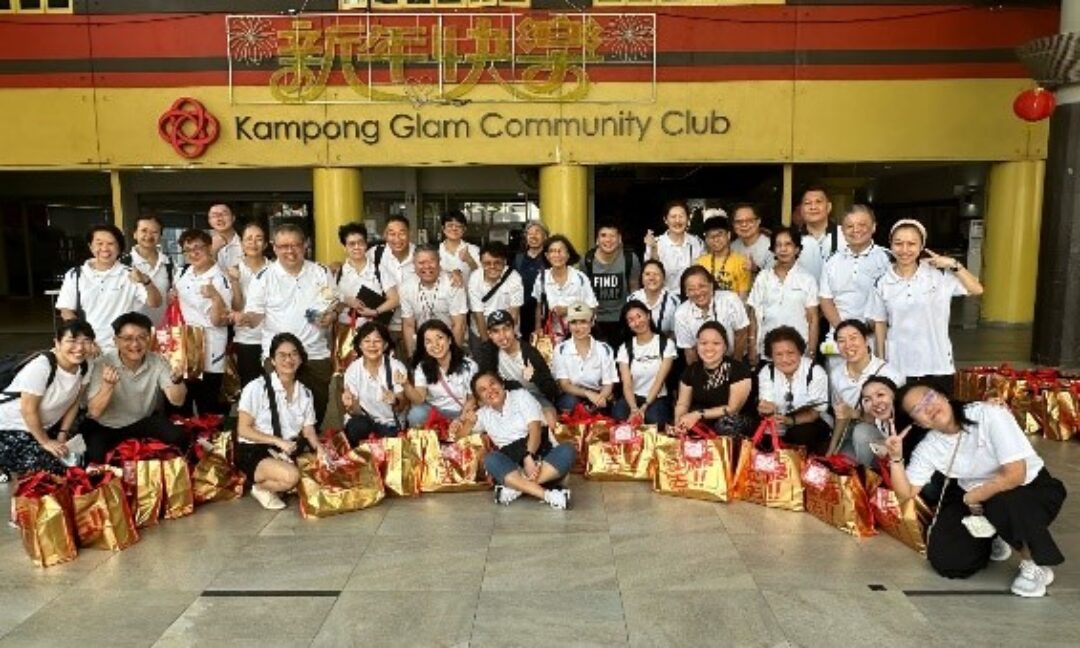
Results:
[123, 398]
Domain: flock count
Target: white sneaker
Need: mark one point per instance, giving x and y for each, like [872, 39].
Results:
[1000, 550]
[267, 499]
[558, 498]
[1032, 580]
[504, 495]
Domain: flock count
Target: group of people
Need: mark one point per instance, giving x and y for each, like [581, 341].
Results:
[820, 329]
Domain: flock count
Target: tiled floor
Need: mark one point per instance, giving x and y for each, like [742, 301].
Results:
[624, 567]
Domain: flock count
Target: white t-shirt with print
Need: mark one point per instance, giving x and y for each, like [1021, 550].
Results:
[396, 270]
[293, 415]
[782, 302]
[159, 274]
[196, 310]
[450, 261]
[285, 298]
[245, 334]
[459, 384]
[104, 296]
[646, 364]
[56, 399]
[848, 279]
[442, 301]
[512, 422]
[726, 308]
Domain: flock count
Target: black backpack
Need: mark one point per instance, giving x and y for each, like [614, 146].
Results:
[11, 364]
[588, 265]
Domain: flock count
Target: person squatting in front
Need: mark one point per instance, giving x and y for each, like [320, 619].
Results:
[998, 475]
[524, 460]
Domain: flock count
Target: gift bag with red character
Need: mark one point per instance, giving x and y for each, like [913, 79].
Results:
[573, 428]
[835, 494]
[906, 521]
[450, 466]
[103, 516]
[694, 465]
[770, 478]
[156, 480]
[622, 451]
[46, 518]
[181, 344]
[398, 462]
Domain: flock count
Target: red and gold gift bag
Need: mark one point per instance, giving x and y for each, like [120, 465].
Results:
[143, 481]
[835, 494]
[351, 483]
[179, 495]
[102, 514]
[574, 428]
[696, 465]
[621, 452]
[450, 466]
[46, 518]
[182, 345]
[343, 352]
[398, 461]
[907, 521]
[1062, 405]
[215, 480]
[771, 479]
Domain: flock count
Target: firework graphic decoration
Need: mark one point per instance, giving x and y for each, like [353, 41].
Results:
[251, 39]
[630, 37]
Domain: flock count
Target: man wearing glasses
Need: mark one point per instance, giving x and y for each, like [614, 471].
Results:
[750, 241]
[122, 399]
[294, 295]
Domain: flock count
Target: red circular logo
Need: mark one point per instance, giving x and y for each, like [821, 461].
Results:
[188, 127]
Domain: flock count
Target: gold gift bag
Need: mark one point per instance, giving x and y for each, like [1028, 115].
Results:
[907, 522]
[574, 428]
[215, 480]
[452, 467]
[343, 353]
[103, 515]
[835, 495]
[1061, 411]
[179, 497]
[1024, 403]
[770, 479]
[45, 515]
[194, 338]
[399, 462]
[621, 452]
[351, 486]
[695, 466]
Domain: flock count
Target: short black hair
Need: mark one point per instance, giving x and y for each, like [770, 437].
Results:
[282, 338]
[133, 318]
[695, 270]
[744, 205]
[121, 242]
[796, 237]
[496, 249]
[291, 228]
[366, 329]
[572, 256]
[398, 218]
[490, 373]
[856, 324]
[453, 216]
[608, 224]
[785, 334]
[678, 202]
[348, 229]
[193, 234]
[713, 325]
[75, 327]
[148, 216]
[813, 188]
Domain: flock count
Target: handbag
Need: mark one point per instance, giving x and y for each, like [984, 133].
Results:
[835, 494]
[46, 518]
[450, 466]
[622, 451]
[694, 465]
[103, 516]
[772, 478]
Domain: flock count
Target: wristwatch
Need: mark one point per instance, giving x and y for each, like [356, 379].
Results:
[956, 267]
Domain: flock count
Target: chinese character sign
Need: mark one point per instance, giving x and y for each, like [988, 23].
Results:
[435, 58]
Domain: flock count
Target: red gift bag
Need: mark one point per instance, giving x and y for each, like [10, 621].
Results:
[772, 478]
[46, 518]
[836, 495]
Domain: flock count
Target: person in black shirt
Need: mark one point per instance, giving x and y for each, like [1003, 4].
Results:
[714, 388]
[529, 263]
[518, 363]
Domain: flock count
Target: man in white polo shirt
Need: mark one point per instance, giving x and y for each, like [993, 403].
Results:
[431, 295]
[394, 260]
[294, 295]
[226, 241]
[146, 257]
[103, 289]
[496, 288]
[820, 238]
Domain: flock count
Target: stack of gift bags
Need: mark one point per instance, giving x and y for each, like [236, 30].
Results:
[1043, 401]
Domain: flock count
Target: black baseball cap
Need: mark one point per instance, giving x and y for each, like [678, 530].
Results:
[498, 318]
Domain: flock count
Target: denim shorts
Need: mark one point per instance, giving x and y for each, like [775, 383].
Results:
[561, 458]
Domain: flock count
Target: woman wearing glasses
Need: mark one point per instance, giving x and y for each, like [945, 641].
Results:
[794, 391]
[998, 475]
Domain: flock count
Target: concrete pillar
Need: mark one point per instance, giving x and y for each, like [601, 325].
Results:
[564, 202]
[1011, 247]
[339, 199]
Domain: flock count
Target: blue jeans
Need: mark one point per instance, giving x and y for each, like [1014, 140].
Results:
[561, 458]
[659, 413]
[418, 414]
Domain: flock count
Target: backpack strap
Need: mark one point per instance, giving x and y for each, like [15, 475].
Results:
[275, 420]
[498, 284]
[78, 292]
[588, 264]
[380, 250]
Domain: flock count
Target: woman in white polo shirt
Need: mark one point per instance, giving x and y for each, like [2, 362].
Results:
[654, 294]
[910, 307]
[247, 340]
[846, 381]
[373, 386]
[44, 395]
[677, 247]
[783, 295]
[644, 361]
[559, 286]
[998, 475]
[583, 365]
[795, 391]
[275, 412]
[205, 295]
[441, 376]
[704, 303]
[364, 292]
[523, 459]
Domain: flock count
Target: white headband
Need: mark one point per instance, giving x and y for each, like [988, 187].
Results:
[909, 222]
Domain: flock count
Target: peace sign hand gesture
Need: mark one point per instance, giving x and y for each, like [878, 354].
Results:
[894, 443]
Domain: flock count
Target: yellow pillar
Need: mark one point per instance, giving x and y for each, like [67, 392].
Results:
[117, 190]
[1011, 247]
[339, 199]
[564, 202]
[788, 197]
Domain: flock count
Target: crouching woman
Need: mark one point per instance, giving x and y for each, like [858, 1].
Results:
[523, 460]
[998, 475]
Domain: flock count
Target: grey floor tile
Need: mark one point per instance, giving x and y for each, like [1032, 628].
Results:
[108, 618]
[541, 618]
[18, 605]
[399, 619]
[833, 561]
[159, 562]
[532, 516]
[242, 517]
[700, 619]
[635, 509]
[823, 617]
[284, 563]
[741, 518]
[1002, 620]
[291, 523]
[278, 621]
[17, 571]
[695, 560]
[431, 563]
[550, 563]
[417, 520]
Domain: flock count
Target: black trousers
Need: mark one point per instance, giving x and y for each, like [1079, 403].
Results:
[101, 439]
[359, 428]
[814, 435]
[248, 362]
[204, 396]
[1022, 517]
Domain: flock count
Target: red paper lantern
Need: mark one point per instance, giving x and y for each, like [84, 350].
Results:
[1034, 105]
